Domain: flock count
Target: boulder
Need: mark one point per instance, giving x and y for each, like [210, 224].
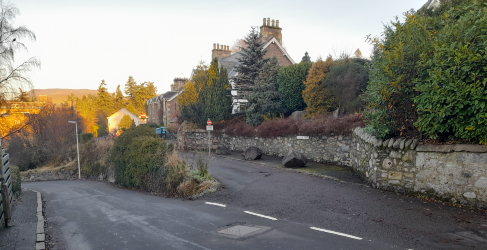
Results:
[294, 160]
[252, 153]
[222, 150]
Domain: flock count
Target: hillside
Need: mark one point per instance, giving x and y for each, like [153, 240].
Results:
[59, 95]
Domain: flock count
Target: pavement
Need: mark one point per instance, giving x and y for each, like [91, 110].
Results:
[22, 234]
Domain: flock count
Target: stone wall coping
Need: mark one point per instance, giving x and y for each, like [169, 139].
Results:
[452, 148]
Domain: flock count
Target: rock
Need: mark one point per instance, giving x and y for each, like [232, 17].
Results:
[222, 150]
[252, 153]
[397, 143]
[434, 148]
[414, 144]
[391, 142]
[386, 143]
[401, 144]
[294, 160]
[379, 143]
[298, 115]
[470, 195]
[408, 143]
[470, 148]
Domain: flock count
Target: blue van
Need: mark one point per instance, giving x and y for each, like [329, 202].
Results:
[161, 132]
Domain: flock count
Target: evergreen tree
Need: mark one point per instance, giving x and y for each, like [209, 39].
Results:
[130, 87]
[290, 80]
[119, 99]
[218, 101]
[130, 107]
[126, 122]
[250, 63]
[317, 95]
[104, 99]
[139, 94]
[306, 57]
[266, 99]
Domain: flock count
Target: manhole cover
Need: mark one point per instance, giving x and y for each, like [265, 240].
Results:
[239, 230]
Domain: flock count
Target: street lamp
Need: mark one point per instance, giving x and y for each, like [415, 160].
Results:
[77, 146]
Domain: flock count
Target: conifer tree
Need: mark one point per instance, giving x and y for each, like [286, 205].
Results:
[105, 101]
[119, 99]
[130, 107]
[290, 80]
[306, 57]
[317, 95]
[126, 122]
[265, 100]
[250, 63]
[218, 102]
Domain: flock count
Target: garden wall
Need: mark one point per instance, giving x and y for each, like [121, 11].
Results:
[454, 173]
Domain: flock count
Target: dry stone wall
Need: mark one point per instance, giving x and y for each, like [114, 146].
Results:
[455, 173]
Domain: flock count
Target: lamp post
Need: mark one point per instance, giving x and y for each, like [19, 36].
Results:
[77, 147]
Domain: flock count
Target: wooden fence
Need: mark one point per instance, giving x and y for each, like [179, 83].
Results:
[6, 194]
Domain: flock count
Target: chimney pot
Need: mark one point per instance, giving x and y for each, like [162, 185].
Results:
[264, 22]
[268, 22]
[217, 46]
[214, 46]
[277, 23]
[273, 23]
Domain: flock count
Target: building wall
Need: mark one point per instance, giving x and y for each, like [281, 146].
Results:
[273, 50]
[114, 120]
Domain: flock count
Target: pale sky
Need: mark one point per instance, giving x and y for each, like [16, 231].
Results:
[80, 43]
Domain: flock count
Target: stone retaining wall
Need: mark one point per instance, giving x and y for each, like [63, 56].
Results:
[455, 173]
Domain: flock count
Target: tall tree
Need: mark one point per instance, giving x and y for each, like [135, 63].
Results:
[290, 80]
[317, 94]
[105, 101]
[266, 99]
[13, 76]
[119, 99]
[306, 57]
[138, 94]
[87, 109]
[250, 63]
[216, 95]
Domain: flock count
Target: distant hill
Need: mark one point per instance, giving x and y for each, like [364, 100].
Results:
[60, 95]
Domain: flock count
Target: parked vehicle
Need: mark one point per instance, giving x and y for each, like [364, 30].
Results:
[161, 132]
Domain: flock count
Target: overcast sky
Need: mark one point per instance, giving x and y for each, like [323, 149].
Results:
[80, 43]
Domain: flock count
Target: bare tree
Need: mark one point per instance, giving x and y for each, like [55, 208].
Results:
[238, 45]
[13, 76]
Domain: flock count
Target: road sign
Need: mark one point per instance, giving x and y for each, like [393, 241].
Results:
[209, 128]
[208, 122]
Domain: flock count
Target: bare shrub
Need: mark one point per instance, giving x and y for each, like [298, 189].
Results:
[289, 126]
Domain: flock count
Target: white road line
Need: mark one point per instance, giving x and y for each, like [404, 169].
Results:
[215, 204]
[260, 215]
[337, 233]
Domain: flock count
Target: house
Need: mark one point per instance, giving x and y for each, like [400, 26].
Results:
[15, 115]
[164, 108]
[114, 119]
[272, 35]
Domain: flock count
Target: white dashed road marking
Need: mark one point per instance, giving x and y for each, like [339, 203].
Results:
[260, 215]
[337, 233]
[216, 204]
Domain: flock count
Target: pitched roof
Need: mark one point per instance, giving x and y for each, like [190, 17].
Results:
[159, 98]
[231, 62]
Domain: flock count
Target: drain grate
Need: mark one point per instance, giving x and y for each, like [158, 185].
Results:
[239, 230]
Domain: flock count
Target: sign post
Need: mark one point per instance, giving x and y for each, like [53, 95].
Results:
[209, 128]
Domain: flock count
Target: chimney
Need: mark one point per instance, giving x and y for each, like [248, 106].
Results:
[220, 51]
[269, 30]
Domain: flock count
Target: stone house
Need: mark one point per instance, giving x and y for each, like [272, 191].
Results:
[114, 119]
[164, 108]
[272, 35]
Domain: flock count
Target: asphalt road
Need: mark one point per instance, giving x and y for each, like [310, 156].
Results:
[302, 212]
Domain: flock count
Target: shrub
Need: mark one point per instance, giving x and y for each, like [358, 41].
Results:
[85, 137]
[290, 80]
[16, 181]
[136, 153]
[287, 127]
[94, 157]
[453, 96]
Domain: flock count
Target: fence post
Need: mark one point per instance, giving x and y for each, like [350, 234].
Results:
[6, 186]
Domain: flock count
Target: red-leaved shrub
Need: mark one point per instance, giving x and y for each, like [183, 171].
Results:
[289, 126]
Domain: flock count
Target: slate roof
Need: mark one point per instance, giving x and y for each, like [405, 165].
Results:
[159, 98]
